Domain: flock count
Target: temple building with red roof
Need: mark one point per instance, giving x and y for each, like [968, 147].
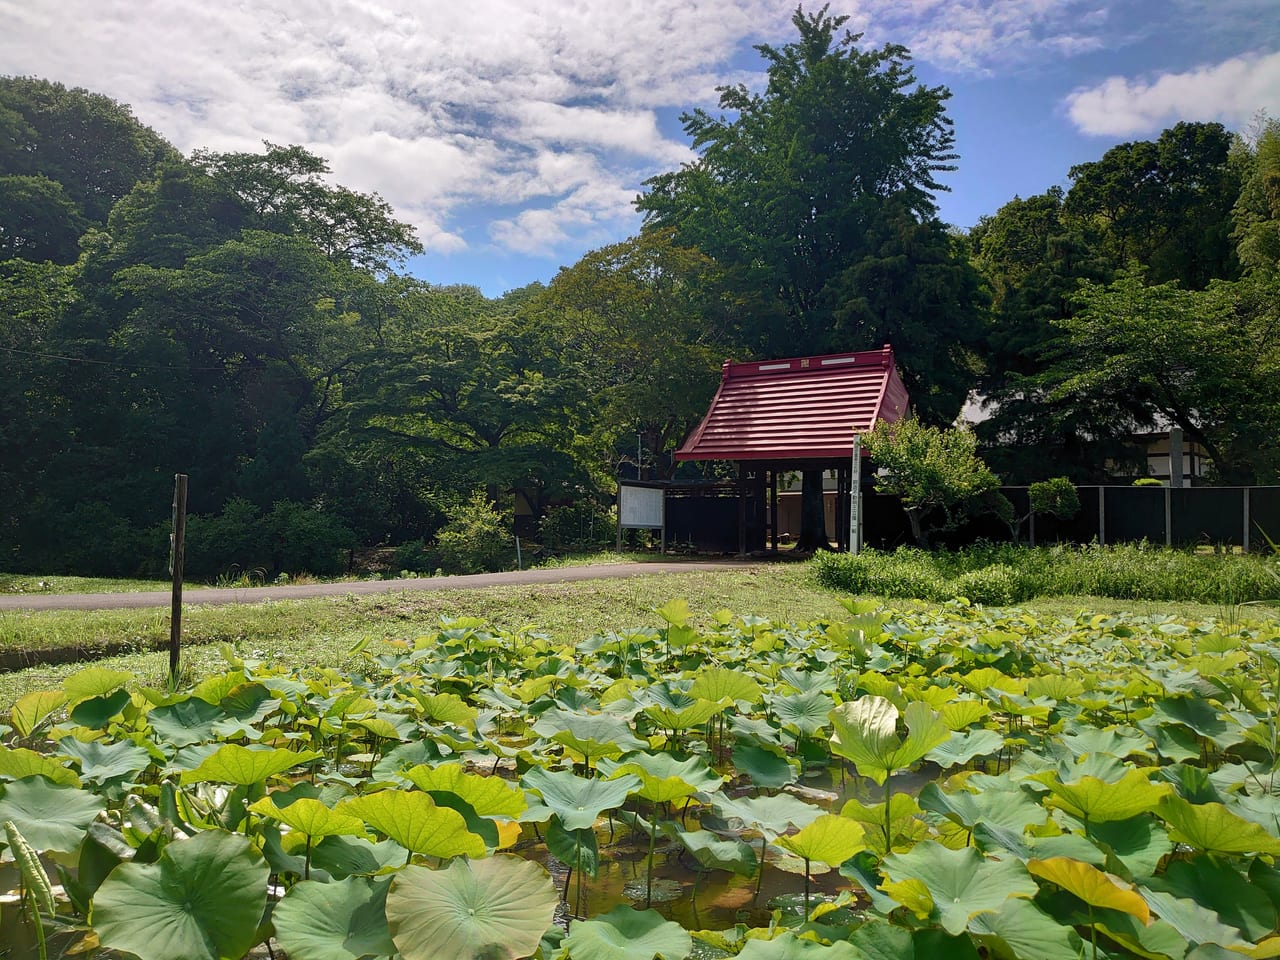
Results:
[779, 416]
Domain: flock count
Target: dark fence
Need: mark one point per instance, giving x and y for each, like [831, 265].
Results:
[706, 518]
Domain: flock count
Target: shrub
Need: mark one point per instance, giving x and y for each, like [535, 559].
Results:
[475, 538]
[293, 537]
[996, 585]
[412, 556]
[305, 538]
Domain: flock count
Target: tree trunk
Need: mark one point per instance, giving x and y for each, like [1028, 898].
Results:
[917, 528]
[813, 514]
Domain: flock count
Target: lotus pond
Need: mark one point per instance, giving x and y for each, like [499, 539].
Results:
[957, 784]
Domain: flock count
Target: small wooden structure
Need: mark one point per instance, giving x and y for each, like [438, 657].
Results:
[779, 416]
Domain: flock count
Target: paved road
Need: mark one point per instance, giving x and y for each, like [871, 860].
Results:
[161, 598]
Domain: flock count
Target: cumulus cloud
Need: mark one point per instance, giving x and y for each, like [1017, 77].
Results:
[1231, 91]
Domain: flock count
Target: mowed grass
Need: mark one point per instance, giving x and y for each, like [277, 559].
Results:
[321, 632]
[21, 583]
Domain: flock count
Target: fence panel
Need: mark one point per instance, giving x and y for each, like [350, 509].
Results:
[1207, 515]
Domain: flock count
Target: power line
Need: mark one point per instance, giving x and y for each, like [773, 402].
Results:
[107, 363]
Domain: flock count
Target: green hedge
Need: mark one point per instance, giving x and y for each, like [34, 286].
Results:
[1005, 574]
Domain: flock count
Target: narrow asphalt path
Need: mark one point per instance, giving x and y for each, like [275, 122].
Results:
[217, 595]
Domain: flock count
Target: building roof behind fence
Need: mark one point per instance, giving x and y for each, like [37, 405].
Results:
[804, 408]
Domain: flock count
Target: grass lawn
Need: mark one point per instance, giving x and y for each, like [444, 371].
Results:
[322, 632]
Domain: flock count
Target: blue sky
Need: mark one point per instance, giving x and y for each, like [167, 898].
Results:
[514, 134]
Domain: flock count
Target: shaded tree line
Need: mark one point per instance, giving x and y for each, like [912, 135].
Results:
[240, 318]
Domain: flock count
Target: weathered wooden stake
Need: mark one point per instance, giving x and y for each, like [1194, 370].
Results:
[177, 553]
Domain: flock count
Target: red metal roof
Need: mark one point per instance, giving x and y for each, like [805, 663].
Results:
[805, 408]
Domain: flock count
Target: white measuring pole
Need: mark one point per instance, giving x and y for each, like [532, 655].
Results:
[855, 497]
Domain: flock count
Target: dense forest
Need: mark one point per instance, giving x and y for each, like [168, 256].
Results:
[240, 318]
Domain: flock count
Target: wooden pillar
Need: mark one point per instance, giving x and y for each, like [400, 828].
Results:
[742, 508]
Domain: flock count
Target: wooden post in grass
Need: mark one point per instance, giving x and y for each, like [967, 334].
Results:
[177, 553]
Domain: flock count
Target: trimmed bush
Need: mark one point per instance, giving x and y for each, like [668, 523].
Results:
[475, 538]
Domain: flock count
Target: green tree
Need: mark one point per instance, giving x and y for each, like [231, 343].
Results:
[936, 472]
[1164, 203]
[1256, 214]
[643, 326]
[834, 163]
[1207, 361]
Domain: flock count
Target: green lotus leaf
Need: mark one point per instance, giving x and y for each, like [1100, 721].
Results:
[722, 683]
[32, 709]
[866, 733]
[214, 689]
[772, 816]
[413, 820]
[960, 748]
[203, 900]
[576, 849]
[992, 839]
[877, 941]
[94, 682]
[1200, 715]
[1055, 687]
[1216, 884]
[675, 612]
[310, 817]
[765, 765]
[787, 946]
[628, 934]
[18, 763]
[446, 708]
[663, 778]
[344, 856]
[806, 712]
[1195, 923]
[245, 766]
[684, 718]
[185, 722]
[1097, 801]
[51, 816]
[1022, 930]
[1138, 843]
[479, 910]
[1112, 742]
[962, 882]
[100, 762]
[715, 853]
[590, 735]
[1012, 808]
[97, 712]
[489, 796]
[578, 801]
[829, 839]
[1212, 827]
[342, 920]
[962, 714]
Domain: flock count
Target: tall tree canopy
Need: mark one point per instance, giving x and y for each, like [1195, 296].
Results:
[816, 195]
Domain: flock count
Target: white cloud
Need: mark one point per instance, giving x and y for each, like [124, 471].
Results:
[1231, 91]
[440, 107]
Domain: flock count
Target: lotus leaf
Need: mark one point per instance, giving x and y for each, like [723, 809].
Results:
[830, 838]
[1212, 827]
[962, 882]
[1195, 923]
[664, 778]
[185, 722]
[93, 682]
[1214, 883]
[576, 800]
[100, 762]
[1021, 929]
[765, 765]
[960, 748]
[19, 763]
[489, 796]
[203, 900]
[1091, 885]
[413, 820]
[714, 853]
[627, 934]
[52, 817]
[1096, 801]
[471, 910]
[721, 683]
[866, 733]
[245, 766]
[772, 816]
[310, 816]
[342, 920]
[787, 946]
[32, 709]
